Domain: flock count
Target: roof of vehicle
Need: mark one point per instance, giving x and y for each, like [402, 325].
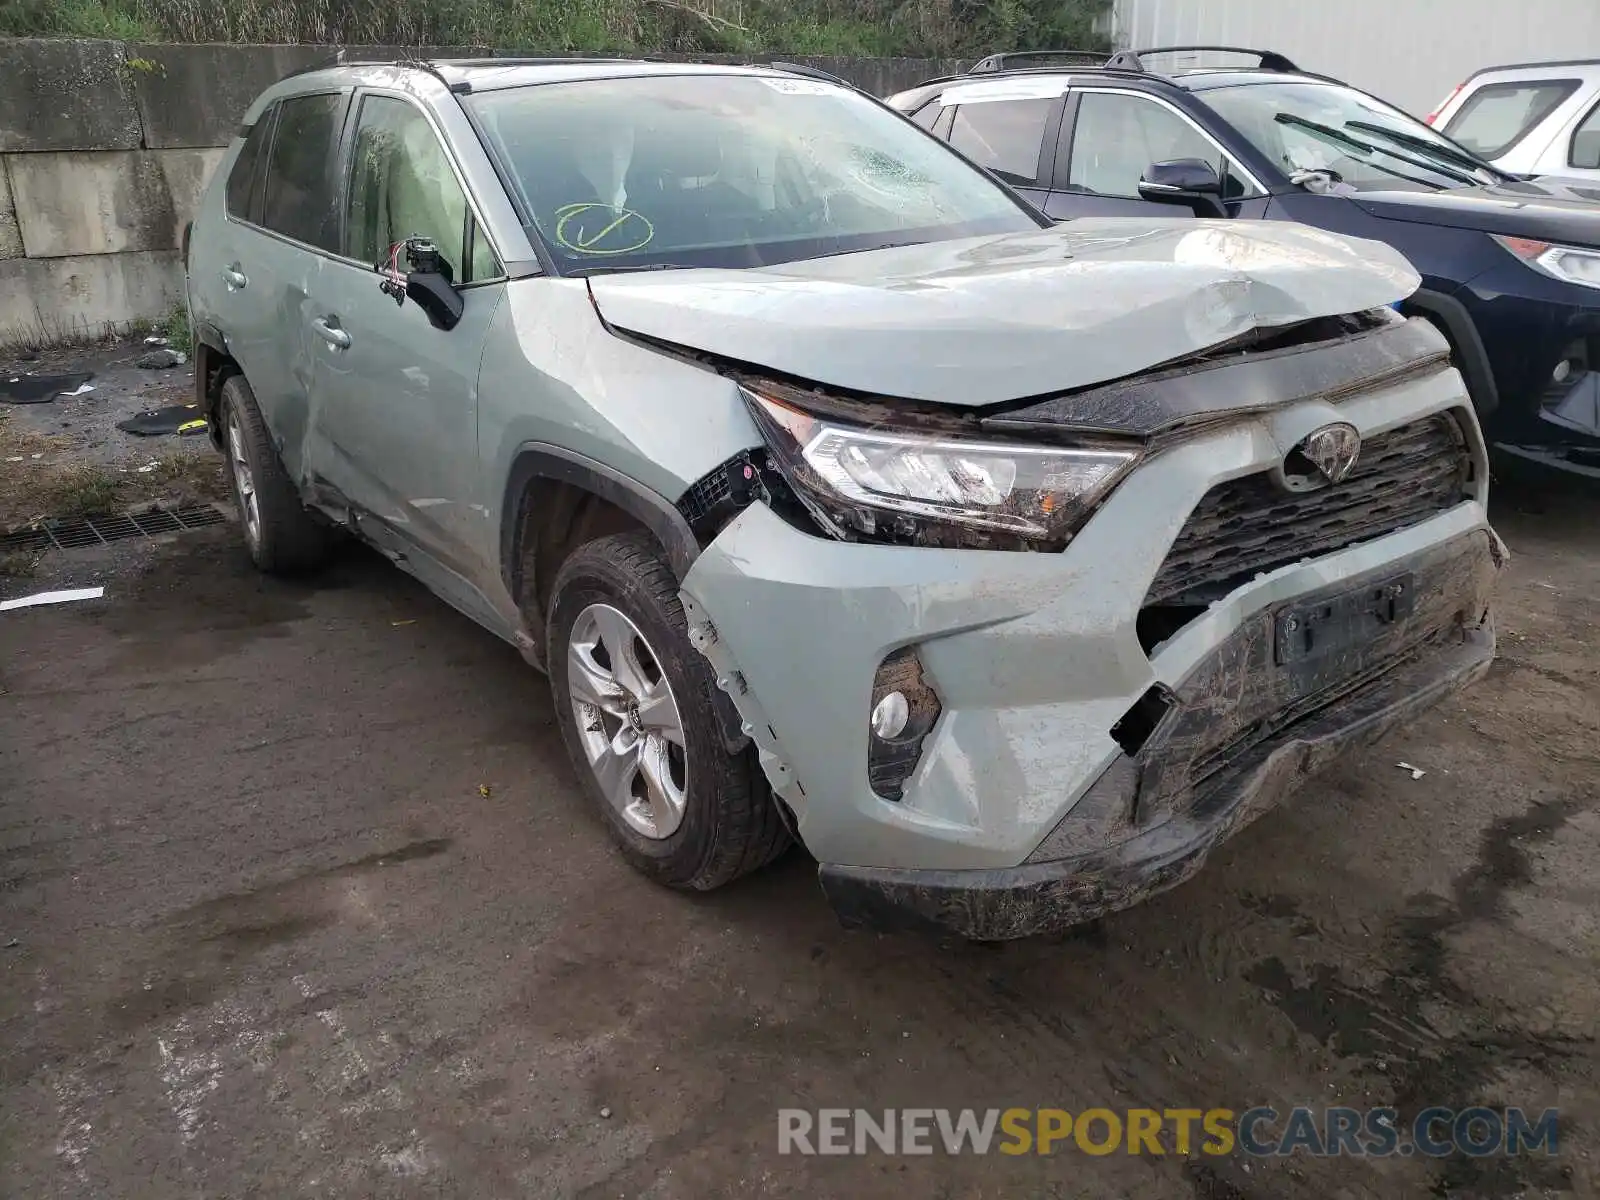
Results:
[1128, 67]
[1555, 64]
[490, 74]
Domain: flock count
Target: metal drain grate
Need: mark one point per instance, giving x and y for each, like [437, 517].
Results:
[101, 531]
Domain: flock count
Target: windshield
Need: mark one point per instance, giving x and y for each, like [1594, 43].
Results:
[1362, 142]
[727, 171]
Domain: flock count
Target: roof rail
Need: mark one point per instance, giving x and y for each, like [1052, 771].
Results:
[1132, 60]
[999, 62]
[790, 68]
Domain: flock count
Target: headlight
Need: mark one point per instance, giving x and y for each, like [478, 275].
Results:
[1570, 264]
[921, 490]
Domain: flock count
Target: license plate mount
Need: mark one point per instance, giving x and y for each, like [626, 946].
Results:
[1314, 630]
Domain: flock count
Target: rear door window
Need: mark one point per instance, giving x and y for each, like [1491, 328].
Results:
[301, 195]
[1586, 143]
[1004, 135]
[1493, 119]
[242, 190]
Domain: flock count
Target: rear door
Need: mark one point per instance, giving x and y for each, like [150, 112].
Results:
[1112, 137]
[225, 249]
[271, 260]
[396, 398]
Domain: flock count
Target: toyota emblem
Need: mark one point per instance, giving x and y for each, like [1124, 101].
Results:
[1332, 450]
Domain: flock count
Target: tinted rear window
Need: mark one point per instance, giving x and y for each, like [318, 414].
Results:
[242, 179]
[1586, 142]
[1499, 115]
[300, 172]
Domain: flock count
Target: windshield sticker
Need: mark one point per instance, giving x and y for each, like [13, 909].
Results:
[800, 87]
[595, 228]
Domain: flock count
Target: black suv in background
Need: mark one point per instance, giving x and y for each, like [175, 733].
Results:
[1511, 269]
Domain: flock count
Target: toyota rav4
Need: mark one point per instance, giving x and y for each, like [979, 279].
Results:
[1009, 567]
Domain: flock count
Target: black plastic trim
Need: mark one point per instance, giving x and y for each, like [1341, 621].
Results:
[1468, 347]
[539, 460]
[1233, 384]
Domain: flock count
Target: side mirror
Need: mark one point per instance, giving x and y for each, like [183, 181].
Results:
[434, 294]
[1191, 182]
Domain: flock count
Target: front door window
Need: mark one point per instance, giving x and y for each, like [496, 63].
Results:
[402, 186]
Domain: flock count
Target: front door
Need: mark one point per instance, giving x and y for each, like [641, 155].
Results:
[1117, 136]
[394, 398]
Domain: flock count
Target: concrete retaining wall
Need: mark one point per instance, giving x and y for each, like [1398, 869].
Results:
[105, 148]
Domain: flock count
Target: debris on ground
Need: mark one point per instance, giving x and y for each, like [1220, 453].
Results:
[158, 422]
[1416, 772]
[40, 389]
[160, 360]
[62, 597]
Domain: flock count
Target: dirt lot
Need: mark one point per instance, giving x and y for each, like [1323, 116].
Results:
[298, 898]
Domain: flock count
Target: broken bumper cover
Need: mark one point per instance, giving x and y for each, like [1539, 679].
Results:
[1041, 896]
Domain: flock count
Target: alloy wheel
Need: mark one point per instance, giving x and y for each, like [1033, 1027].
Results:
[244, 481]
[628, 721]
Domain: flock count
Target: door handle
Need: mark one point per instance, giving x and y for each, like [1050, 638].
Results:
[331, 333]
[234, 277]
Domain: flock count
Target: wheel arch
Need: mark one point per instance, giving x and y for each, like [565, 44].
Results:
[213, 363]
[557, 500]
[1453, 320]
[542, 471]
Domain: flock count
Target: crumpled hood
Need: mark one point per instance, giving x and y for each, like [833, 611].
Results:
[984, 320]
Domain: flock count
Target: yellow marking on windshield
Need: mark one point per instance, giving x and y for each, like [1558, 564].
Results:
[636, 230]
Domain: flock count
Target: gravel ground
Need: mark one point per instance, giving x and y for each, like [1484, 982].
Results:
[87, 424]
[298, 898]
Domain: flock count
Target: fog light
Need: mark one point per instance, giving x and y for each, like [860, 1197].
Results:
[1563, 371]
[890, 715]
[904, 711]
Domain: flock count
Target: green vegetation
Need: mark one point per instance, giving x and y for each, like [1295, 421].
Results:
[845, 27]
[177, 330]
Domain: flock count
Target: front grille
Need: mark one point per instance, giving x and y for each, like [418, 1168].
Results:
[1248, 526]
[708, 495]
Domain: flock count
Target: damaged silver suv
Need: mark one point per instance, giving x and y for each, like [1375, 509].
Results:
[1008, 567]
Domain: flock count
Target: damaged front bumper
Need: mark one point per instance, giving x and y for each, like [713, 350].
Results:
[1240, 736]
[1025, 790]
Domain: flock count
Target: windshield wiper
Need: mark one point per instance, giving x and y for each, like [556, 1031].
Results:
[1338, 135]
[628, 268]
[1448, 153]
[869, 249]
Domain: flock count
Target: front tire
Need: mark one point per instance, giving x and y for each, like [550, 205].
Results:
[634, 702]
[282, 537]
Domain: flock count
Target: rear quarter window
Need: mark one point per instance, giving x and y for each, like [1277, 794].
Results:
[1586, 142]
[1493, 119]
[242, 190]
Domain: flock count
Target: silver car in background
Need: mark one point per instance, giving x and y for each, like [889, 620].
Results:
[1008, 567]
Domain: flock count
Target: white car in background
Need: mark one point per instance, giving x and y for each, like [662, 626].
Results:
[1538, 120]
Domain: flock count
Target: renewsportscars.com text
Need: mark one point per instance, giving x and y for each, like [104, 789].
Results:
[1436, 1132]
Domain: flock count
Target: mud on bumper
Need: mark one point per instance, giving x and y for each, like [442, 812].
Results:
[1243, 731]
